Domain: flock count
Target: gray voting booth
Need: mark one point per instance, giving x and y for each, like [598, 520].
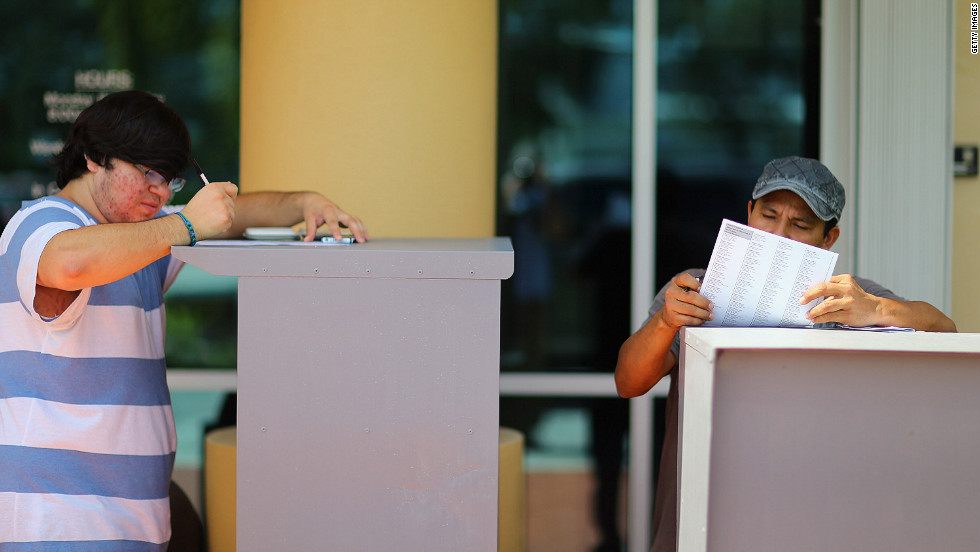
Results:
[368, 387]
[825, 440]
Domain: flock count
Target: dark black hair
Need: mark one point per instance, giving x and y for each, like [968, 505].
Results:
[828, 225]
[132, 126]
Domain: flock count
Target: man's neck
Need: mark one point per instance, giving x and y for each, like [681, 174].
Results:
[79, 191]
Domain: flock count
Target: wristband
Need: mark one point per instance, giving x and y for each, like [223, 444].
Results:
[190, 228]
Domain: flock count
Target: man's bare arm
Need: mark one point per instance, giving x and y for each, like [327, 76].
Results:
[289, 208]
[847, 303]
[96, 255]
[646, 357]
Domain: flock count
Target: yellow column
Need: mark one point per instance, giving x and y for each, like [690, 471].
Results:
[220, 491]
[511, 501]
[388, 108]
[966, 189]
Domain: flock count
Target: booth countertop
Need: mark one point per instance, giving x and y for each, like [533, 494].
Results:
[705, 339]
[423, 258]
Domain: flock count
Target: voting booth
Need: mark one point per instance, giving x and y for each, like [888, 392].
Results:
[828, 440]
[368, 389]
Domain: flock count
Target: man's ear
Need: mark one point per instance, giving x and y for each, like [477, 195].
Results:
[91, 165]
[749, 214]
[831, 237]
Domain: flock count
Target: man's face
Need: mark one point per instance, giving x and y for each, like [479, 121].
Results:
[122, 193]
[786, 214]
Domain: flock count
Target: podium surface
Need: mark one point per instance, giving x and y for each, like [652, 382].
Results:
[828, 440]
[368, 392]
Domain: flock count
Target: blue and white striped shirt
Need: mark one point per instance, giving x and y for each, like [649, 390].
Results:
[87, 438]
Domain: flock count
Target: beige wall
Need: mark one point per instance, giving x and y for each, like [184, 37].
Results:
[966, 189]
[388, 108]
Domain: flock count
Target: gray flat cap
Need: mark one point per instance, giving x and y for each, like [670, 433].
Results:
[807, 178]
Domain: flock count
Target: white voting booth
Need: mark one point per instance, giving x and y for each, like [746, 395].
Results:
[828, 440]
[368, 380]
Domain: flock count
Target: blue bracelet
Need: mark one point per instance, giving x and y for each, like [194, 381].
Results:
[190, 228]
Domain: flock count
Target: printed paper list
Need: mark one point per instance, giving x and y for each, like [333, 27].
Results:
[755, 278]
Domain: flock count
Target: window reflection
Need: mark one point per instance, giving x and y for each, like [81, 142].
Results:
[59, 56]
[565, 86]
[738, 84]
[564, 142]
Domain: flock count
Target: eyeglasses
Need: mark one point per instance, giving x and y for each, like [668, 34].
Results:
[154, 178]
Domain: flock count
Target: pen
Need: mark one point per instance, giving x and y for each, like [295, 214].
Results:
[200, 172]
[698, 278]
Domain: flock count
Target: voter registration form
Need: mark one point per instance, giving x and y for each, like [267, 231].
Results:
[755, 278]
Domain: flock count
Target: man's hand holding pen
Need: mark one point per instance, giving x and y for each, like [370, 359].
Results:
[684, 306]
[212, 209]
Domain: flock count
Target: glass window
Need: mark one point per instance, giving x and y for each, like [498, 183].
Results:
[564, 150]
[738, 84]
[564, 144]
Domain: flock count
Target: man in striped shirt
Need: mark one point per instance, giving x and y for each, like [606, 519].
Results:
[87, 437]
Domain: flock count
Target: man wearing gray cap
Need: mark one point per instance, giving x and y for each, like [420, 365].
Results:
[796, 198]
